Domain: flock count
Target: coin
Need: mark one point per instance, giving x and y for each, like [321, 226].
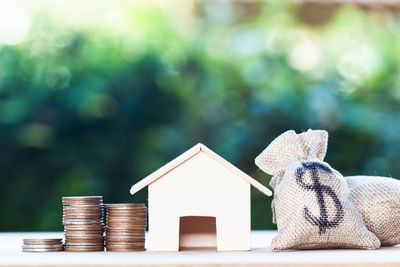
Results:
[42, 250]
[86, 232]
[131, 205]
[124, 219]
[126, 235]
[87, 222]
[127, 213]
[126, 224]
[83, 212]
[42, 241]
[125, 249]
[87, 208]
[143, 228]
[82, 215]
[42, 246]
[121, 222]
[75, 209]
[126, 210]
[83, 198]
[75, 239]
[87, 199]
[83, 218]
[82, 241]
[81, 201]
[84, 244]
[83, 223]
[130, 219]
[84, 248]
[126, 227]
[89, 231]
[125, 246]
[125, 241]
[83, 232]
[124, 231]
[83, 226]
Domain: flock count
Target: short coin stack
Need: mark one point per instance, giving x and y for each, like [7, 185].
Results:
[43, 245]
[83, 223]
[126, 226]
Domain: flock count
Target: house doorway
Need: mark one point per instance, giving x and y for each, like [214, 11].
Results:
[197, 233]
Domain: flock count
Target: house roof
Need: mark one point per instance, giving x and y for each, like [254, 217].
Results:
[189, 154]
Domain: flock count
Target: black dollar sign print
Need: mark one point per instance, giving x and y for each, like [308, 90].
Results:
[322, 222]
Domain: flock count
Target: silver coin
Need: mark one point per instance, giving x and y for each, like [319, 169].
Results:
[42, 240]
[42, 250]
[42, 246]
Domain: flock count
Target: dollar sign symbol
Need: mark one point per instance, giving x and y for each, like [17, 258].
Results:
[320, 190]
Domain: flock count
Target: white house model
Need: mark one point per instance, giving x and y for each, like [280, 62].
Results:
[199, 200]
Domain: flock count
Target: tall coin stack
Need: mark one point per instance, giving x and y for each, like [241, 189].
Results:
[83, 223]
[126, 226]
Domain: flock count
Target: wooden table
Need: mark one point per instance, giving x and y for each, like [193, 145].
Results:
[260, 255]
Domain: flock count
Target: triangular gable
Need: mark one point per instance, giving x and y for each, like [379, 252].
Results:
[189, 154]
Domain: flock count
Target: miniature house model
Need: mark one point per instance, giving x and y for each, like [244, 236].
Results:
[199, 200]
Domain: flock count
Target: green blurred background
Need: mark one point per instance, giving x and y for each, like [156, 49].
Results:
[96, 95]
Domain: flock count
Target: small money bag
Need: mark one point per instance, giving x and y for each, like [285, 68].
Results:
[378, 201]
[312, 206]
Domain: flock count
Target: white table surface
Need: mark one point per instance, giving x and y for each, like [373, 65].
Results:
[261, 255]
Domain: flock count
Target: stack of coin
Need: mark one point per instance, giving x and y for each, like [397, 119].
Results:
[126, 226]
[83, 223]
[42, 245]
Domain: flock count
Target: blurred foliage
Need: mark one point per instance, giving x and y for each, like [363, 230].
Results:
[95, 95]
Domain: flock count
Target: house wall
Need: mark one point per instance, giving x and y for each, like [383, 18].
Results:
[199, 187]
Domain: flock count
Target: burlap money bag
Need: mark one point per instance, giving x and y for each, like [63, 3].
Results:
[312, 205]
[378, 200]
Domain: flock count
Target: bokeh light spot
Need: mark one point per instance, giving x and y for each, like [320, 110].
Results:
[14, 24]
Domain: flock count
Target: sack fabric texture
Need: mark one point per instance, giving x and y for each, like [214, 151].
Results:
[312, 203]
[378, 200]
